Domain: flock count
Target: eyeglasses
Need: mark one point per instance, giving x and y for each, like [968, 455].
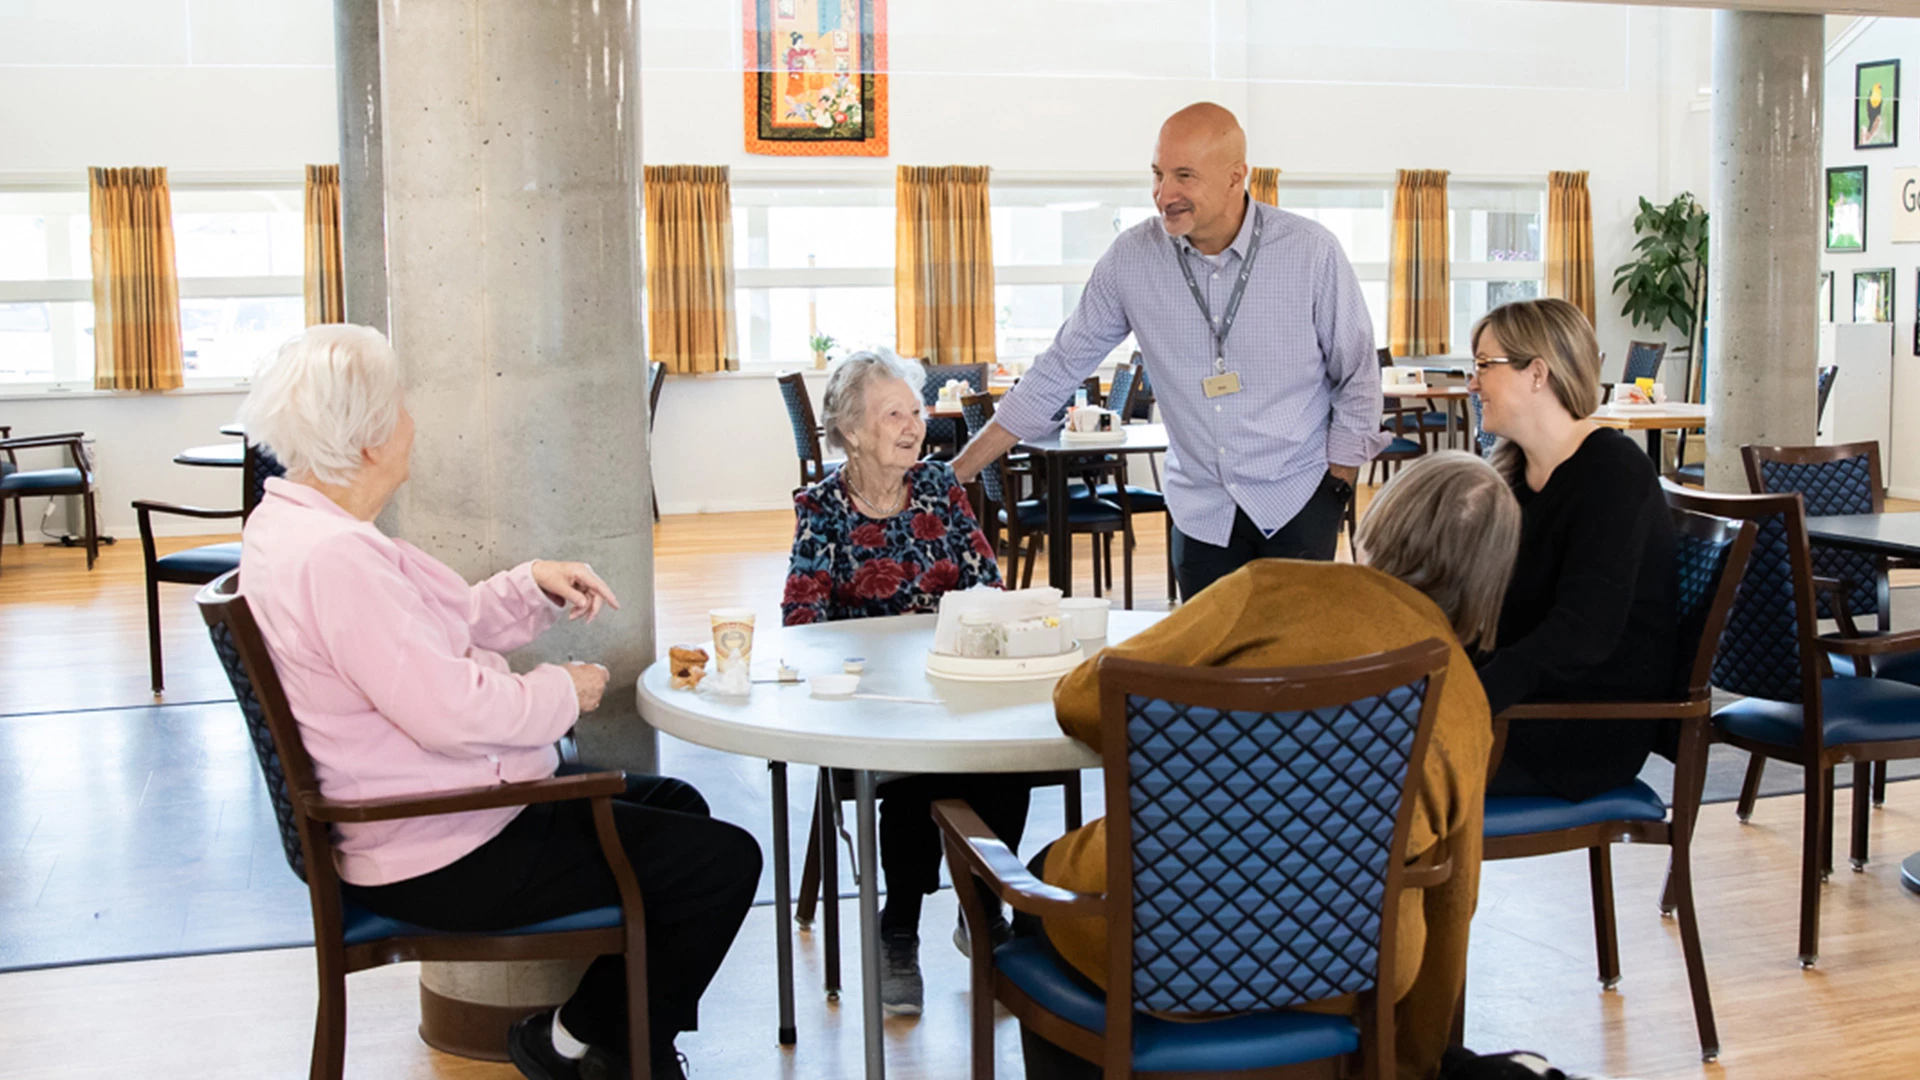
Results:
[1482, 363]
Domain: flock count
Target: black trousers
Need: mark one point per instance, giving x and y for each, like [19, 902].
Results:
[1314, 533]
[697, 878]
[910, 848]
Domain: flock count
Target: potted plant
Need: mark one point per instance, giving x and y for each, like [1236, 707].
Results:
[1666, 281]
[821, 343]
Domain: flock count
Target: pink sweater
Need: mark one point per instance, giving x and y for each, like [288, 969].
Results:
[392, 664]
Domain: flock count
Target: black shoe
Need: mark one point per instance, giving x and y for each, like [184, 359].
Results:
[900, 987]
[669, 1064]
[530, 1045]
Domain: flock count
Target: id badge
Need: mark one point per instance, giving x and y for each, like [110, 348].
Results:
[1227, 382]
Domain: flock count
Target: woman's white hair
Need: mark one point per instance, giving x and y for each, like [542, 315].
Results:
[327, 395]
[845, 404]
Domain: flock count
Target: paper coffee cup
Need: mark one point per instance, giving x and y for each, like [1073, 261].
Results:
[1087, 615]
[732, 637]
[1085, 420]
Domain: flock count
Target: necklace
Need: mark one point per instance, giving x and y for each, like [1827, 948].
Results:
[900, 500]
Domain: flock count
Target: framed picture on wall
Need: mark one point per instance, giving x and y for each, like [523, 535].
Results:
[1826, 296]
[1847, 208]
[1916, 313]
[1876, 105]
[1873, 296]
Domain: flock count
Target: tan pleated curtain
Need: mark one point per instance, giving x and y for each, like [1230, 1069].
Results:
[1570, 240]
[326, 280]
[1418, 292]
[690, 269]
[136, 288]
[943, 264]
[1264, 185]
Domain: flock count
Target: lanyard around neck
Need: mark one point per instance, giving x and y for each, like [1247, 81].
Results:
[1224, 327]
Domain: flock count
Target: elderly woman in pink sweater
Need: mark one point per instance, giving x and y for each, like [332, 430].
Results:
[393, 666]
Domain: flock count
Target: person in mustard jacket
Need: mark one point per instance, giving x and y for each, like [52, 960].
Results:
[1435, 551]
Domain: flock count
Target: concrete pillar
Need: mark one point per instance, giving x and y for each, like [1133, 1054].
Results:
[510, 135]
[363, 211]
[1762, 336]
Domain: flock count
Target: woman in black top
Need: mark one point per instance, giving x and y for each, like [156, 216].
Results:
[1591, 608]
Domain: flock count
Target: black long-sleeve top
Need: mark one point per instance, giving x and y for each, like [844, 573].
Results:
[1589, 615]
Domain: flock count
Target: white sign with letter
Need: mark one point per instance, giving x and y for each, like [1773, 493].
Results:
[1906, 206]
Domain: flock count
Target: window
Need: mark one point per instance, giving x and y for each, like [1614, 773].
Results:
[239, 255]
[1360, 216]
[1046, 238]
[1499, 239]
[811, 259]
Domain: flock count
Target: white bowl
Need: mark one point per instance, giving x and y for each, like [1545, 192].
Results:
[833, 686]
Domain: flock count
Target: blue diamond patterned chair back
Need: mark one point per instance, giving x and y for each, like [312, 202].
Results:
[261, 466]
[1841, 486]
[1260, 844]
[1760, 649]
[800, 415]
[978, 409]
[1142, 390]
[1643, 360]
[271, 769]
[1482, 438]
[941, 429]
[1120, 394]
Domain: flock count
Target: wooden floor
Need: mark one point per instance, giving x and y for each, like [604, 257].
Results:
[76, 640]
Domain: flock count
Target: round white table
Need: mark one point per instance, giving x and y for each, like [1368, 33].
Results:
[976, 727]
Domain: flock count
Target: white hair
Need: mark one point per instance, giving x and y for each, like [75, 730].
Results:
[325, 397]
[845, 404]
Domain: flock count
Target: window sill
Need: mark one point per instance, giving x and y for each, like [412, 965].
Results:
[57, 392]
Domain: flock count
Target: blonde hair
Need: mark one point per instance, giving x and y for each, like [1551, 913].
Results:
[327, 395]
[1556, 333]
[1449, 526]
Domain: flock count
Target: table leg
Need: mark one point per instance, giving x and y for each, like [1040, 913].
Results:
[783, 904]
[1450, 428]
[870, 927]
[1059, 549]
[1654, 435]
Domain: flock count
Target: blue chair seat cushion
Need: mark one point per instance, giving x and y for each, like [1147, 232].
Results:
[1691, 474]
[1033, 513]
[210, 560]
[1521, 815]
[1145, 500]
[1433, 421]
[1897, 667]
[1401, 446]
[360, 926]
[1262, 1040]
[1857, 711]
[26, 483]
[8, 468]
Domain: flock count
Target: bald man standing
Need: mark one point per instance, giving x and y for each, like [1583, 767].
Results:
[1254, 333]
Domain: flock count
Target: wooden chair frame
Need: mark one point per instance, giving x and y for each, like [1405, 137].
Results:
[19, 517]
[76, 446]
[221, 604]
[1693, 711]
[973, 850]
[1817, 759]
[1751, 458]
[813, 465]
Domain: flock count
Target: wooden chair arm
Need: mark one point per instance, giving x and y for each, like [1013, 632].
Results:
[148, 506]
[1877, 645]
[29, 442]
[1427, 871]
[493, 797]
[1680, 709]
[1836, 590]
[988, 859]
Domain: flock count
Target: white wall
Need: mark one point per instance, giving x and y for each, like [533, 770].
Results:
[1873, 39]
[1490, 89]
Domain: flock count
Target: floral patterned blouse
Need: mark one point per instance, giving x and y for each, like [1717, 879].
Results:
[847, 565]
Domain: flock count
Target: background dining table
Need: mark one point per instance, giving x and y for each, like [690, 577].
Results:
[1056, 456]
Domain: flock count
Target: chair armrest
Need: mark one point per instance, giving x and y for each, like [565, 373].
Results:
[987, 857]
[1878, 645]
[28, 442]
[1427, 871]
[148, 506]
[552, 789]
[1678, 709]
[1836, 590]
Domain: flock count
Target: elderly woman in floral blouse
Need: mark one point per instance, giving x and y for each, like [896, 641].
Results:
[888, 534]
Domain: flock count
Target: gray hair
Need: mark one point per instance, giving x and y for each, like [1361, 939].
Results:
[327, 395]
[1449, 526]
[845, 405]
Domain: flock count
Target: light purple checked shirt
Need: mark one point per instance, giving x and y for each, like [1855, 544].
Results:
[1302, 345]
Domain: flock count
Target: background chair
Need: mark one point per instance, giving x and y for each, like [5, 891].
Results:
[1713, 555]
[1256, 851]
[656, 382]
[1025, 520]
[196, 565]
[75, 479]
[944, 433]
[806, 430]
[1415, 417]
[1696, 474]
[1140, 500]
[347, 937]
[1643, 362]
[9, 464]
[1483, 440]
[1793, 708]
